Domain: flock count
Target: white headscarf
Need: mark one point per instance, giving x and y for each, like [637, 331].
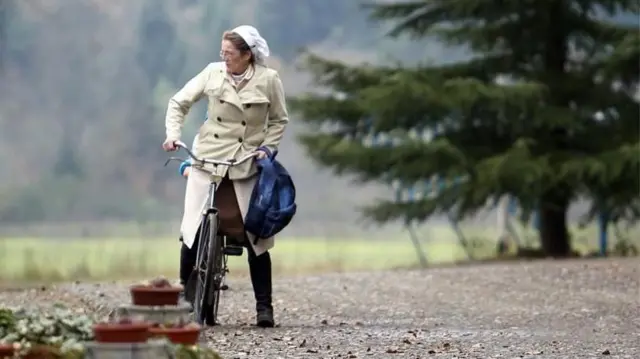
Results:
[258, 45]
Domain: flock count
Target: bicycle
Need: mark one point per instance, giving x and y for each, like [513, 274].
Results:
[213, 250]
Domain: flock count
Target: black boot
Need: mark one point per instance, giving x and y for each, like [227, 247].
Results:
[260, 270]
[187, 263]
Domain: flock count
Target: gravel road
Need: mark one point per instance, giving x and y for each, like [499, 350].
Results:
[544, 309]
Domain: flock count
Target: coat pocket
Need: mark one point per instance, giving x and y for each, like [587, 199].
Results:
[256, 108]
[256, 113]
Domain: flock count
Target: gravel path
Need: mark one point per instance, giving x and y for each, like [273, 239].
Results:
[545, 309]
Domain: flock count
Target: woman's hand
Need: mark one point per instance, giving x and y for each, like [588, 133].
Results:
[260, 154]
[186, 172]
[169, 145]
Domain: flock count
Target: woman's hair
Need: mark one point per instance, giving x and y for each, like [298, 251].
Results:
[239, 43]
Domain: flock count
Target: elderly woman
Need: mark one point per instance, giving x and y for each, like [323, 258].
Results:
[247, 114]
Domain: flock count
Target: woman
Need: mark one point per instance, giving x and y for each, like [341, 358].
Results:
[247, 114]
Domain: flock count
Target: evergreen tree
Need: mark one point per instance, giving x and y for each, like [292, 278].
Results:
[562, 124]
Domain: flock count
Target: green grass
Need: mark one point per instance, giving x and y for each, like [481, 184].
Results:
[28, 259]
[48, 259]
[34, 259]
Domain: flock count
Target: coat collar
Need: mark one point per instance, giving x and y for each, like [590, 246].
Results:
[249, 93]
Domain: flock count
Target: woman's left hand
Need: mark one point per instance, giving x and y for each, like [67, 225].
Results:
[260, 154]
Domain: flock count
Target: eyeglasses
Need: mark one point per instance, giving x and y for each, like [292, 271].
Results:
[225, 54]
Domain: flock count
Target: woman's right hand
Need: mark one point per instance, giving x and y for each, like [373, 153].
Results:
[186, 172]
[169, 145]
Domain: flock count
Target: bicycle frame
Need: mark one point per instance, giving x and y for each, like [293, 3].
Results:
[212, 193]
[204, 238]
[211, 207]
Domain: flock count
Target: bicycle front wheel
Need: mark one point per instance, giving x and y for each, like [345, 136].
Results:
[210, 272]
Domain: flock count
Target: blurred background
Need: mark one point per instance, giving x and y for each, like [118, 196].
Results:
[84, 86]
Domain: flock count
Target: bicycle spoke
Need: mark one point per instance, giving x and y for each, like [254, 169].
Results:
[200, 305]
[202, 266]
[211, 269]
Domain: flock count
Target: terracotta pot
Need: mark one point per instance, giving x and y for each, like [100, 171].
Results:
[188, 336]
[43, 352]
[121, 333]
[151, 296]
[6, 351]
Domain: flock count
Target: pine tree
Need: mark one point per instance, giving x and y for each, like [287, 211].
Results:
[562, 125]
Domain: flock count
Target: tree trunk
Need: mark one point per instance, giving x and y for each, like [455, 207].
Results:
[554, 232]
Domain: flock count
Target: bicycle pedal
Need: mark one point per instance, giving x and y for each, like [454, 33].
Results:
[233, 251]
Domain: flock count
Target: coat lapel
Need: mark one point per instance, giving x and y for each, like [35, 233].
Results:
[252, 92]
[228, 94]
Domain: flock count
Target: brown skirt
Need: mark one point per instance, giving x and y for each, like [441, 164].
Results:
[231, 222]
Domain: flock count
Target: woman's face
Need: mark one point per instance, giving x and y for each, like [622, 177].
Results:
[235, 61]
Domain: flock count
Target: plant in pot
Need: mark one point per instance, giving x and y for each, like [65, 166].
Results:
[7, 325]
[121, 330]
[178, 333]
[158, 292]
[56, 333]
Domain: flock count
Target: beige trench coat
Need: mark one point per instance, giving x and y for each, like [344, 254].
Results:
[239, 122]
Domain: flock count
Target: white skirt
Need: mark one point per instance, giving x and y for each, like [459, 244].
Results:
[195, 203]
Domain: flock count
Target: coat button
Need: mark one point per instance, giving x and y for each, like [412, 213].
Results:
[219, 119]
[215, 135]
[248, 105]
[221, 101]
[244, 123]
[240, 140]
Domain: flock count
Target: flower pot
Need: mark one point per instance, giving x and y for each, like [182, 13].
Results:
[43, 352]
[186, 336]
[154, 296]
[121, 333]
[7, 351]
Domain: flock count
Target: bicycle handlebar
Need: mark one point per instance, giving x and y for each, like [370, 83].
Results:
[230, 163]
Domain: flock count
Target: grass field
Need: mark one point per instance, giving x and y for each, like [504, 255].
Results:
[46, 260]
[27, 259]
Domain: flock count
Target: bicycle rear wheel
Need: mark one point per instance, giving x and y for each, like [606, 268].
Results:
[210, 272]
